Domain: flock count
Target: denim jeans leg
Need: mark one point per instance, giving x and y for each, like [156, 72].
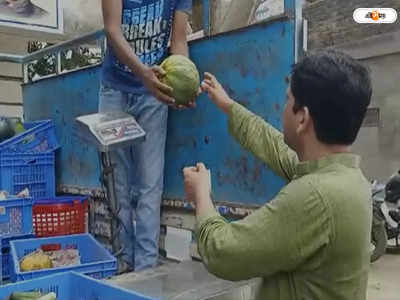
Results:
[148, 178]
[114, 100]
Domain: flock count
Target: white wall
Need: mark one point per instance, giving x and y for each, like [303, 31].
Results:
[380, 147]
[10, 91]
[82, 16]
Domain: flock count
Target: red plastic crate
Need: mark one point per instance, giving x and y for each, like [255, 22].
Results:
[60, 216]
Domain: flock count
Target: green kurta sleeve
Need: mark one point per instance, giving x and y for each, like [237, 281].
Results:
[276, 238]
[264, 141]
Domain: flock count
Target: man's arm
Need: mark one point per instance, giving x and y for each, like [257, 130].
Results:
[264, 141]
[178, 39]
[112, 14]
[276, 238]
[252, 132]
[179, 43]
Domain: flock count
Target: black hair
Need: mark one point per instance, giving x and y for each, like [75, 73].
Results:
[337, 91]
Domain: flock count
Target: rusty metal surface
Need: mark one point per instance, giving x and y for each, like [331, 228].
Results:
[62, 99]
[252, 64]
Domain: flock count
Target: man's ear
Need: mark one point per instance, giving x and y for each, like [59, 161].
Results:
[303, 119]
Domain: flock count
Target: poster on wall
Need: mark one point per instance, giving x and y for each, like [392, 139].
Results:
[267, 9]
[33, 15]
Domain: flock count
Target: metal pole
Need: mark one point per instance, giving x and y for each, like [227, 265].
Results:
[103, 46]
[25, 74]
[11, 58]
[62, 46]
[108, 170]
[58, 63]
[206, 17]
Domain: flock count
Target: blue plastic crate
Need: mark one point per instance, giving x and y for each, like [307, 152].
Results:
[15, 217]
[33, 171]
[72, 286]
[5, 264]
[39, 137]
[6, 256]
[15, 223]
[5, 241]
[96, 261]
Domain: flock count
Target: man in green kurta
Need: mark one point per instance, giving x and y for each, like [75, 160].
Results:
[312, 241]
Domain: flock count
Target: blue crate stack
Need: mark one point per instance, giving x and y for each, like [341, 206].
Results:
[27, 160]
[15, 223]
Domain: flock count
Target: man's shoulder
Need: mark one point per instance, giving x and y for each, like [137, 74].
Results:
[342, 182]
[336, 189]
[302, 186]
[325, 190]
[302, 192]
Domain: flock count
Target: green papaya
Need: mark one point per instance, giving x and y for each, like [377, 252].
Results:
[182, 76]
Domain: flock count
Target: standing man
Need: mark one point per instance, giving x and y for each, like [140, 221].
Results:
[312, 241]
[138, 32]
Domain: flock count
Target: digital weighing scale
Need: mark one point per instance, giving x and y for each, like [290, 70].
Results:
[108, 132]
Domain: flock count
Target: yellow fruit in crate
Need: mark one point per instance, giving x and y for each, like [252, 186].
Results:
[36, 261]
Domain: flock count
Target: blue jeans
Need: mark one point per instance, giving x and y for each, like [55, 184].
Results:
[139, 175]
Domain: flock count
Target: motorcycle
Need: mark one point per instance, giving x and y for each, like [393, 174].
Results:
[385, 233]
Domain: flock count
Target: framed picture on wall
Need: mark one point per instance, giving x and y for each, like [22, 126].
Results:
[33, 15]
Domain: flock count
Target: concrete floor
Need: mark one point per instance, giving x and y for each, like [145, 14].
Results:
[190, 281]
[384, 279]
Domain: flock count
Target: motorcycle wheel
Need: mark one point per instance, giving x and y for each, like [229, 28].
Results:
[379, 240]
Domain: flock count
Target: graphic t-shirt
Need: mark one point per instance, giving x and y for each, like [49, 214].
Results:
[146, 25]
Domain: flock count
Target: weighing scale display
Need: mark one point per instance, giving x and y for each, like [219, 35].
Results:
[115, 129]
[114, 132]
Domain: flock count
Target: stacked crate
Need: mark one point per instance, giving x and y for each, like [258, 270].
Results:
[27, 162]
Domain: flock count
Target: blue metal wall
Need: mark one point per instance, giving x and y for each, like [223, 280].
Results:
[63, 98]
[251, 63]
